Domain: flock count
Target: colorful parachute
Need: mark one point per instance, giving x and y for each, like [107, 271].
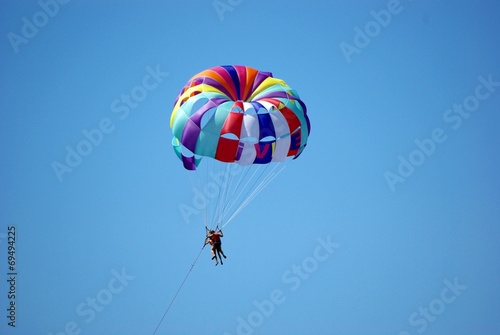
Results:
[237, 114]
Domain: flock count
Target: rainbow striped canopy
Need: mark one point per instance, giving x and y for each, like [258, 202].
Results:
[238, 114]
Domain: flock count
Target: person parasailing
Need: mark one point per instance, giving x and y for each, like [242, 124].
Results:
[214, 239]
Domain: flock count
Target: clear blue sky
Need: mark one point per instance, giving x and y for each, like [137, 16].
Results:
[387, 224]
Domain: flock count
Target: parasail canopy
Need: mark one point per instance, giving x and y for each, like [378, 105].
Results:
[238, 114]
[238, 119]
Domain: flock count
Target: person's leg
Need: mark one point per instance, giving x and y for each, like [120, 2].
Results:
[219, 247]
[218, 252]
